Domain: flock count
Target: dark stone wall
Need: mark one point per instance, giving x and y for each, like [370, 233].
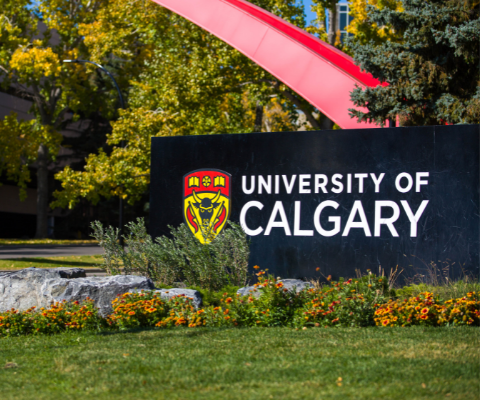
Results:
[443, 161]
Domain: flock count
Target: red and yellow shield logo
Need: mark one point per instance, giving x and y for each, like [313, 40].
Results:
[206, 202]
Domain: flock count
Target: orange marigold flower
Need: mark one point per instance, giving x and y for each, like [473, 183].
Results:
[329, 277]
[152, 309]
[335, 320]
[131, 313]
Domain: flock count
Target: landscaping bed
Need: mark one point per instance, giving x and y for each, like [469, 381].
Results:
[361, 302]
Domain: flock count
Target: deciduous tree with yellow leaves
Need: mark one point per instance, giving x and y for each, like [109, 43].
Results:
[183, 81]
[35, 36]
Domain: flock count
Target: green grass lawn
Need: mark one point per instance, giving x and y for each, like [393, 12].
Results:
[255, 363]
[29, 242]
[52, 262]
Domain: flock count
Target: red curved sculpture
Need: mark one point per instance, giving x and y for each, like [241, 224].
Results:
[320, 73]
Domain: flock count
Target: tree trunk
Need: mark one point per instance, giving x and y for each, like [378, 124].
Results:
[332, 25]
[42, 193]
[326, 123]
[258, 117]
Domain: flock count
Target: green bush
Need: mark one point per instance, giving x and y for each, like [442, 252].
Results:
[214, 297]
[59, 317]
[446, 290]
[344, 303]
[223, 261]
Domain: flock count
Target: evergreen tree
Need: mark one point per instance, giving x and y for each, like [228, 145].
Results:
[433, 74]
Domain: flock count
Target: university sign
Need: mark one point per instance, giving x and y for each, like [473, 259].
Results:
[339, 201]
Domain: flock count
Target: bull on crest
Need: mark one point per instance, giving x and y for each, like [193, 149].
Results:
[206, 201]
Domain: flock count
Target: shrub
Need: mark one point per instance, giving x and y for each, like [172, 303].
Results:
[224, 261]
[343, 303]
[58, 318]
[275, 305]
[182, 313]
[134, 310]
[214, 297]
[426, 309]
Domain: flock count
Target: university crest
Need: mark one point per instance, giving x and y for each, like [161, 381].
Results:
[206, 202]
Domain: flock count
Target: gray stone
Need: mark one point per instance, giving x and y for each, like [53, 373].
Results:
[296, 285]
[102, 289]
[40, 287]
[24, 289]
[169, 293]
[71, 273]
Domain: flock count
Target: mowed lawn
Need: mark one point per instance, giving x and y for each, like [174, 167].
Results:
[95, 261]
[255, 363]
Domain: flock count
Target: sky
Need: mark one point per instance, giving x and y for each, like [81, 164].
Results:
[310, 15]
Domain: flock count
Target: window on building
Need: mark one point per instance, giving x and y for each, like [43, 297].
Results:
[343, 19]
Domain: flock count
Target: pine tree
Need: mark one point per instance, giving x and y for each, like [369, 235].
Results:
[433, 74]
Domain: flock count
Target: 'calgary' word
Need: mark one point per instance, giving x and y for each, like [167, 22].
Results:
[356, 211]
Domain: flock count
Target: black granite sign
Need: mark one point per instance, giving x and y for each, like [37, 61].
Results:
[335, 200]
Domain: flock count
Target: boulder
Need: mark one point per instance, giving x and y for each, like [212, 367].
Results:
[169, 293]
[291, 284]
[40, 287]
[101, 289]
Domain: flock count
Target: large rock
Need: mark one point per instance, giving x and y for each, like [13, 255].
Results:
[40, 287]
[290, 284]
[169, 293]
[101, 289]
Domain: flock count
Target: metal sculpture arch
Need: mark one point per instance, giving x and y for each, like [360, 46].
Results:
[320, 73]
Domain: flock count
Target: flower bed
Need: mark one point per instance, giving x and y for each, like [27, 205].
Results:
[354, 302]
[427, 310]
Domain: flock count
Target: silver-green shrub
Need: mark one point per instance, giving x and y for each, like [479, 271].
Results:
[221, 262]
